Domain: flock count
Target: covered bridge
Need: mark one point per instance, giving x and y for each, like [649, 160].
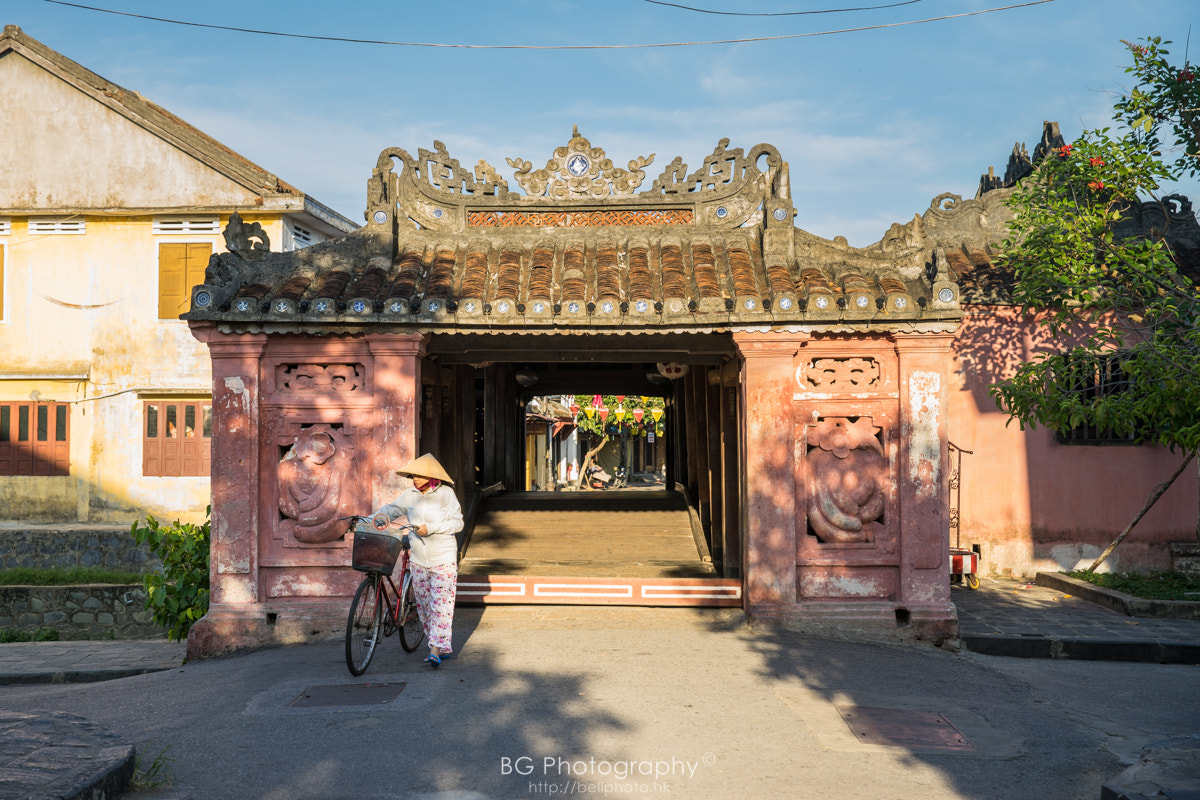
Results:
[808, 432]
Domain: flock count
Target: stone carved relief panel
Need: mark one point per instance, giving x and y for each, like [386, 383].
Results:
[853, 374]
[848, 481]
[315, 479]
[319, 378]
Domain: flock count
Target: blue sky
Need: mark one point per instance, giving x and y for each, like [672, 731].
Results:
[874, 124]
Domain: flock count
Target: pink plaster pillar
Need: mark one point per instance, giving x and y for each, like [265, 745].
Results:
[769, 515]
[233, 562]
[924, 365]
[397, 409]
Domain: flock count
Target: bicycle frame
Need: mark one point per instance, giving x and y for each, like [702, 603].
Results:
[379, 609]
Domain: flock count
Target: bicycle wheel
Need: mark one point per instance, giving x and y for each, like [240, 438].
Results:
[411, 630]
[362, 626]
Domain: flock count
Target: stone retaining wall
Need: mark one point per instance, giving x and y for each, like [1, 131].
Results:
[94, 611]
[45, 547]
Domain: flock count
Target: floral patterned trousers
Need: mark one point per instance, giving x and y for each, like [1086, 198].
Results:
[435, 588]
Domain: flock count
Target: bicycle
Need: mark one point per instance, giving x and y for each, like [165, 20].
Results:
[378, 606]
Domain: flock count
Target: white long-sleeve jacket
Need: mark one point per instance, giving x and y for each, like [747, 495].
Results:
[440, 513]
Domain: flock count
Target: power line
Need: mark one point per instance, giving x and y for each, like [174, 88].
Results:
[780, 13]
[543, 46]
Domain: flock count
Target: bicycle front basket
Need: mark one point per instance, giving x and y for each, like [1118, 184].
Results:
[375, 551]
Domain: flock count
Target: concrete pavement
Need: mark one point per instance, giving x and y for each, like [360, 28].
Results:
[731, 711]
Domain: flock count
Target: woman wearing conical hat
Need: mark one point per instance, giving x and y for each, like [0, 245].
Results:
[430, 506]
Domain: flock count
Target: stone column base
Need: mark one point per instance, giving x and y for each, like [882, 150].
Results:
[231, 628]
[872, 621]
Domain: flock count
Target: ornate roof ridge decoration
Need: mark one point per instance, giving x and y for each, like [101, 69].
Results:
[579, 187]
[579, 170]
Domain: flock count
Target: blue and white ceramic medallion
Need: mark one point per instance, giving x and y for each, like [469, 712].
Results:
[578, 165]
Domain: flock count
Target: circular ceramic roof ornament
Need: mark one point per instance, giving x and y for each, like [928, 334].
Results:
[901, 302]
[380, 217]
[722, 212]
[203, 299]
[946, 295]
[780, 214]
[578, 165]
[822, 302]
[785, 303]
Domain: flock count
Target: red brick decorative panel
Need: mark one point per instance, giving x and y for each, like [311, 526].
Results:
[579, 219]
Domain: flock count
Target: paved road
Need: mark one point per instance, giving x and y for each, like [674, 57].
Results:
[542, 702]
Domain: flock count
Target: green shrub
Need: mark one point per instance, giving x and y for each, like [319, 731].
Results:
[74, 576]
[1169, 585]
[178, 595]
[17, 635]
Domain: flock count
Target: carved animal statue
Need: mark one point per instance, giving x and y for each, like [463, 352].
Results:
[310, 487]
[848, 472]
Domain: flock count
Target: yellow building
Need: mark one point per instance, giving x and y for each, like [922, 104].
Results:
[110, 207]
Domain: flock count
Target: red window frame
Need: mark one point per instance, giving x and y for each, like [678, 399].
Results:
[176, 438]
[35, 438]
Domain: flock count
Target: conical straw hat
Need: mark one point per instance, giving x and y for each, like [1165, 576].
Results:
[425, 466]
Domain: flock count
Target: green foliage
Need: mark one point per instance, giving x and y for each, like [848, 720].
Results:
[595, 426]
[1165, 96]
[1169, 585]
[75, 576]
[177, 596]
[153, 776]
[45, 634]
[1099, 293]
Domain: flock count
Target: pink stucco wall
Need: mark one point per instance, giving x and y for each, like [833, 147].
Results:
[1033, 504]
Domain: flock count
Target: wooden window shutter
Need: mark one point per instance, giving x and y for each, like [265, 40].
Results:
[181, 266]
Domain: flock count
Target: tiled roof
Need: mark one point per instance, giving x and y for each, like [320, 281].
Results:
[448, 249]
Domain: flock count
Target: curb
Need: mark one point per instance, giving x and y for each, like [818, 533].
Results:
[1120, 602]
[75, 676]
[1151, 652]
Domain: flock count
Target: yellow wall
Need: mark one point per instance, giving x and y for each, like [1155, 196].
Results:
[80, 324]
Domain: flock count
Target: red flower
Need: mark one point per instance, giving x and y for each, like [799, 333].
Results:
[1096, 162]
[1186, 76]
[1096, 185]
[1064, 151]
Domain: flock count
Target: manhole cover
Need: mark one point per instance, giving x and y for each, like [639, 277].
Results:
[894, 726]
[349, 694]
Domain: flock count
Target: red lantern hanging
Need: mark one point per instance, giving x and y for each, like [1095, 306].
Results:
[637, 414]
[620, 398]
[603, 413]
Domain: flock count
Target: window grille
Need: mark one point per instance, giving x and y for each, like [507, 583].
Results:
[41, 225]
[187, 225]
[1094, 377]
[5, 227]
